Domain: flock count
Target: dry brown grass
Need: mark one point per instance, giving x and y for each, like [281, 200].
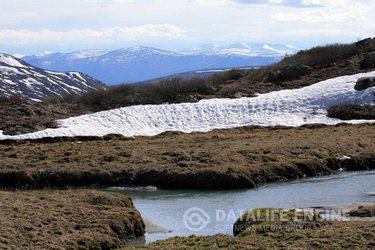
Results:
[76, 219]
[18, 116]
[232, 158]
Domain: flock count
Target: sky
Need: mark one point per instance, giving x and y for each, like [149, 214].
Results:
[34, 26]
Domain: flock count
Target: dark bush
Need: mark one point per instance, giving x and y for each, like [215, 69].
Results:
[11, 100]
[295, 71]
[230, 75]
[322, 55]
[352, 112]
[369, 60]
[365, 83]
[172, 90]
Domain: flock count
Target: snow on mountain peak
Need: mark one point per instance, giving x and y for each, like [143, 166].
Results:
[142, 63]
[81, 54]
[10, 61]
[18, 77]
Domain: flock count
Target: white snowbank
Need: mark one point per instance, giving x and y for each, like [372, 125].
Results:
[287, 107]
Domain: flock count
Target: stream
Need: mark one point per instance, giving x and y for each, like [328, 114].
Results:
[184, 212]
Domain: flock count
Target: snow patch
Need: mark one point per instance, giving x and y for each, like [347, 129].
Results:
[286, 107]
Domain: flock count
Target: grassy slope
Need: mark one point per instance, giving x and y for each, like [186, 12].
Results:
[76, 219]
[232, 158]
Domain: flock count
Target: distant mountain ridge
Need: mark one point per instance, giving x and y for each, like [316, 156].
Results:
[144, 63]
[19, 77]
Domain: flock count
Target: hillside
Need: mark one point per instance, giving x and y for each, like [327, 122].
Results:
[287, 107]
[141, 63]
[302, 69]
[20, 78]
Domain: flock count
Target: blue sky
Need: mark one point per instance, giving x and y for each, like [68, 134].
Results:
[34, 26]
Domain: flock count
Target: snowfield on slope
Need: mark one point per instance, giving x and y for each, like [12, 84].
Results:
[287, 107]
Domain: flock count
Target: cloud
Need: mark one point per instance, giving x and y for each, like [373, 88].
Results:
[216, 3]
[312, 2]
[304, 16]
[286, 3]
[113, 34]
[342, 12]
[78, 24]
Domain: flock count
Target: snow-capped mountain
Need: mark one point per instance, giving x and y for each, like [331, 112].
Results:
[248, 49]
[294, 107]
[19, 77]
[143, 63]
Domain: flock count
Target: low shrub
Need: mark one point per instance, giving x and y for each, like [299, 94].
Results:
[322, 55]
[365, 83]
[352, 112]
[172, 90]
[369, 60]
[12, 100]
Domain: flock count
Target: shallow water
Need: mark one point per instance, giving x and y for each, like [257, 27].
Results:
[213, 212]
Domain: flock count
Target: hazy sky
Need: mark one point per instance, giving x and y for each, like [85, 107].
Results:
[33, 26]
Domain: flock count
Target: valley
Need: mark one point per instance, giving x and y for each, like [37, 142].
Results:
[142, 63]
[65, 158]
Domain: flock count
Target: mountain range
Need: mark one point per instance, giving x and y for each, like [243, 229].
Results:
[142, 63]
[19, 77]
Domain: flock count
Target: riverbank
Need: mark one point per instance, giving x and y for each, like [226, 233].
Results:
[284, 232]
[73, 219]
[334, 235]
[222, 159]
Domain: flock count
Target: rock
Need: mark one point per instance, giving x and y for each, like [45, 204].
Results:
[295, 71]
[364, 83]
[369, 60]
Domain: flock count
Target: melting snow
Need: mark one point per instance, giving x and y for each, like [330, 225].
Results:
[287, 107]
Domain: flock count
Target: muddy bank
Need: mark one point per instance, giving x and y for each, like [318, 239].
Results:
[221, 159]
[77, 219]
